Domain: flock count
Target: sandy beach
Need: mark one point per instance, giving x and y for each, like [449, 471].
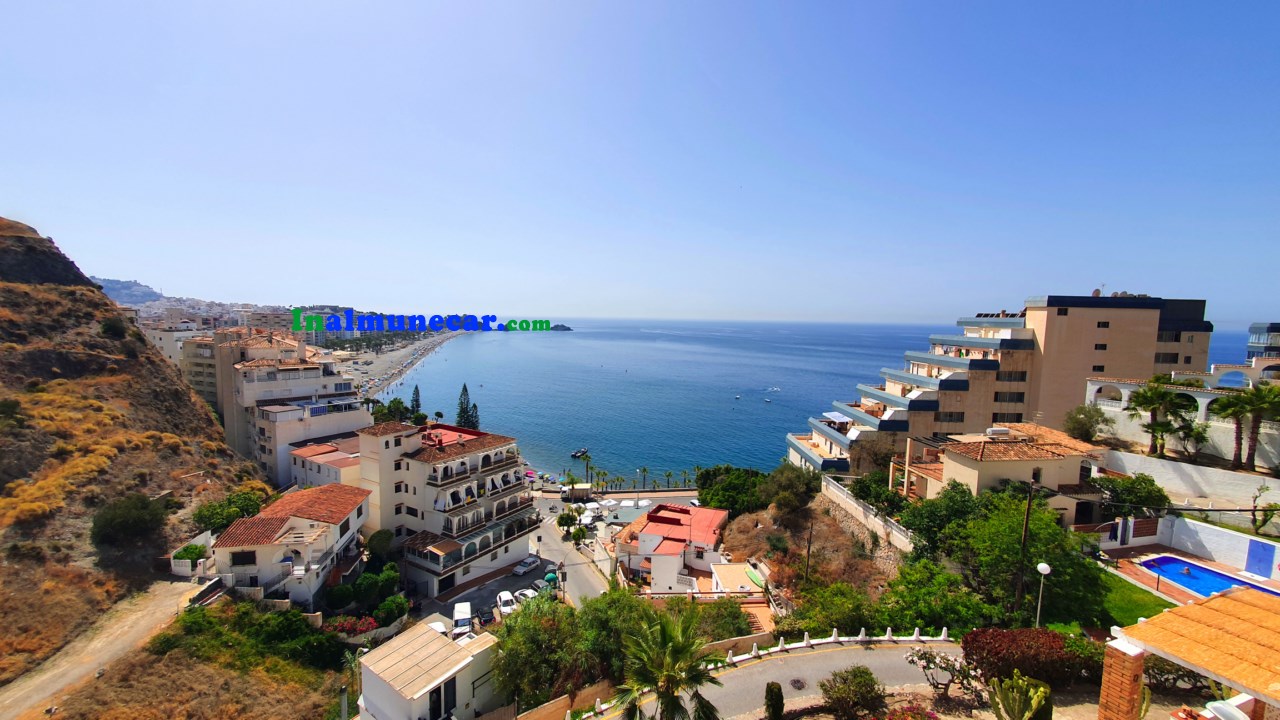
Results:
[385, 369]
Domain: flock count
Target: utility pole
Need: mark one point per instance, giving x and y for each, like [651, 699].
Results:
[807, 548]
[1018, 590]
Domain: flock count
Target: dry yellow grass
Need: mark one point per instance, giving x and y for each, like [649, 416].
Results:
[44, 605]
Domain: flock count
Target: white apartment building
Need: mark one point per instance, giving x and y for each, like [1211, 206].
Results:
[326, 460]
[456, 500]
[275, 392]
[168, 338]
[297, 544]
[422, 675]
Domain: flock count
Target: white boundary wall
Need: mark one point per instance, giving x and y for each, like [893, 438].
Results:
[1215, 543]
[1183, 480]
[897, 535]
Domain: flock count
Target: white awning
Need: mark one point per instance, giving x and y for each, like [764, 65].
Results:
[645, 503]
[593, 505]
[838, 417]
[628, 503]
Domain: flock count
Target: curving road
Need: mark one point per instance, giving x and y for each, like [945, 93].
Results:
[743, 689]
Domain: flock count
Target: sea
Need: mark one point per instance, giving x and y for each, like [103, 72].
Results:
[668, 395]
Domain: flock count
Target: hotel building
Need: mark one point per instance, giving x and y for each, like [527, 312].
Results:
[1264, 341]
[275, 392]
[1028, 366]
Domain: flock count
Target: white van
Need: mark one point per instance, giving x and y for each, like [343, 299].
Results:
[461, 619]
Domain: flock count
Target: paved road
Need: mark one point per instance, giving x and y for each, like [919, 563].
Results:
[743, 689]
[125, 626]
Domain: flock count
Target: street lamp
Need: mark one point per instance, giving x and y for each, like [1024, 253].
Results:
[1044, 570]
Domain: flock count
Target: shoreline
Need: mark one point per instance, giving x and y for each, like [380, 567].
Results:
[389, 367]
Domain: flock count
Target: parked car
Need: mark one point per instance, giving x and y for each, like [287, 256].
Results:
[551, 567]
[525, 594]
[540, 586]
[694, 502]
[525, 565]
[461, 619]
[506, 603]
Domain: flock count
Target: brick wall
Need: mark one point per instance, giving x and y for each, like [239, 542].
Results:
[1121, 696]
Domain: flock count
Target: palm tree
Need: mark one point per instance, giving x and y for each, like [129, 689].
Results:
[667, 657]
[644, 475]
[603, 476]
[1264, 403]
[1164, 407]
[351, 664]
[684, 478]
[1235, 407]
[586, 461]
[668, 475]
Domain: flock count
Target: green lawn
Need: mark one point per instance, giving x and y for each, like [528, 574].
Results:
[1126, 602]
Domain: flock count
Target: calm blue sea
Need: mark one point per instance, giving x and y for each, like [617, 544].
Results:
[661, 394]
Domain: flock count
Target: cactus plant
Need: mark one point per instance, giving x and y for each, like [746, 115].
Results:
[1019, 698]
[1145, 707]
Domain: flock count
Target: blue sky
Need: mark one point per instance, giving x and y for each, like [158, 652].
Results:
[883, 161]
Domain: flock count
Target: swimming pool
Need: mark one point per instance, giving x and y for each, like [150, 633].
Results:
[1197, 578]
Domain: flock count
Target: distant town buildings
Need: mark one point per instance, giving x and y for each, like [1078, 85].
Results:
[1028, 366]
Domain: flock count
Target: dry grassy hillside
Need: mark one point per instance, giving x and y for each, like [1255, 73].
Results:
[89, 412]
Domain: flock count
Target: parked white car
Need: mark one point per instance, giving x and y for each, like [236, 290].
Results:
[525, 565]
[506, 603]
[525, 594]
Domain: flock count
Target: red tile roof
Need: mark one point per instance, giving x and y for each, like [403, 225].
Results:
[669, 547]
[459, 448]
[1049, 436]
[327, 503]
[313, 450]
[681, 523]
[257, 530]
[387, 428]
[995, 450]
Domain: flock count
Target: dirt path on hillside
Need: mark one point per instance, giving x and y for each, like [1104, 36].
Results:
[124, 627]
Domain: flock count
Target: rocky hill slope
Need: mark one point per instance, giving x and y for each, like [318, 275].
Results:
[89, 412]
[127, 292]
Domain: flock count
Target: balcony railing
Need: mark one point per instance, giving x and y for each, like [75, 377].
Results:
[504, 466]
[511, 509]
[505, 490]
[446, 482]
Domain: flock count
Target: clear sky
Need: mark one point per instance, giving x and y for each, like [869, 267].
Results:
[877, 161]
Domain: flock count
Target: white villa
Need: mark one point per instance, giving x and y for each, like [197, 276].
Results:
[296, 545]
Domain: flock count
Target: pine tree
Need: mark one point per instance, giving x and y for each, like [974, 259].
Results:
[415, 401]
[464, 408]
[474, 417]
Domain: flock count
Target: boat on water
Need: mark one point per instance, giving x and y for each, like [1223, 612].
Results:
[737, 397]
[578, 453]
[767, 400]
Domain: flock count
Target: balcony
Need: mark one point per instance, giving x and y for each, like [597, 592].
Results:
[952, 361]
[506, 490]
[512, 509]
[435, 481]
[880, 395]
[826, 431]
[869, 415]
[817, 459]
[951, 381]
[981, 343]
[512, 463]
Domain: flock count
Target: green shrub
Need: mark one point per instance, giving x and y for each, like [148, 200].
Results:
[192, 552]
[391, 609]
[130, 519]
[339, 596]
[114, 327]
[773, 702]
[1086, 655]
[852, 692]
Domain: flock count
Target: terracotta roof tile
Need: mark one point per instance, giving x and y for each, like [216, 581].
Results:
[387, 428]
[454, 450]
[327, 503]
[256, 530]
[996, 450]
[1049, 436]
[1234, 636]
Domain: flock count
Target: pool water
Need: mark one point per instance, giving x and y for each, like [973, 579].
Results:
[1198, 579]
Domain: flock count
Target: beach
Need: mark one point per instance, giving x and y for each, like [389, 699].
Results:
[386, 369]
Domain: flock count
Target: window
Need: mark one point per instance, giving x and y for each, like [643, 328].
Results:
[399, 530]
[342, 386]
[399, 508]
[1169, 336]
[1166, 358]
[386, 444]
[1010, 397]
[398, 464]
[345, 527]
[411, 511]
[1099, 368]
[1011, 376]
[466, 570]
[1186, 359]
[244, 557]
[1103, 324]
[493, 555]
[698, 554]
[397, 443]
[360, 510]
[948, 417]
[506, 549]
[1062, 311]
[400, 487]
[1006, 417]
[1100, 346]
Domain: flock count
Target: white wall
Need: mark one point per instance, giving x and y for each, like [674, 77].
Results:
[1221, 443]
[1215, 543]
[898, 536]
[1182, 480]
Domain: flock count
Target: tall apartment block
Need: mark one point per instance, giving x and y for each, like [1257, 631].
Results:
[1028, 366]
[1264, 341]
[455, 499]
[275, 391]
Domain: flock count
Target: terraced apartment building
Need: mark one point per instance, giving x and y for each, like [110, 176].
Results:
[1008, 367]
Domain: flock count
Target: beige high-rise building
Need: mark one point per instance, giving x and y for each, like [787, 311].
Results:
[1028, 366]
[275, 391]
[200, 369]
